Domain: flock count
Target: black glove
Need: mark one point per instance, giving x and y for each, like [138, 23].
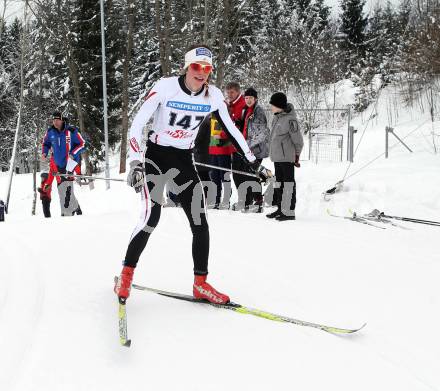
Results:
[255, 166]
[135, 177]
[263, 173]
[296, 163]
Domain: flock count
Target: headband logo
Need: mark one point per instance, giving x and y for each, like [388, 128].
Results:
[203, 52]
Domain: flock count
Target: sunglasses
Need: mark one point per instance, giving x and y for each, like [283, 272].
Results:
[195, 66]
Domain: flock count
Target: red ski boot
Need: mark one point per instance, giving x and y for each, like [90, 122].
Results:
[202, 290]
[123, 285]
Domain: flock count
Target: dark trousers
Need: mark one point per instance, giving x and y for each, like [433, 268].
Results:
[45, 201]
[2, 211]
[220, 176]
[285, 191]
[204, 177]
[247, 196]
[164, 164]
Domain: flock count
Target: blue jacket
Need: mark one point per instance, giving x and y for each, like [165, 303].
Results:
[63, 143]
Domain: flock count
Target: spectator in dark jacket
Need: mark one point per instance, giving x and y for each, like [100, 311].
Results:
[201, 153]
[220, 149]
[286, 143]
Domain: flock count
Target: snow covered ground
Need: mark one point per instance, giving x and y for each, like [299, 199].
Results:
[58, 313]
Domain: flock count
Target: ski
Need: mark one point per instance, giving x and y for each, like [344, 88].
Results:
[408, 219]
[250, 311]
[378, 218]
[355, 218]
[122, 315]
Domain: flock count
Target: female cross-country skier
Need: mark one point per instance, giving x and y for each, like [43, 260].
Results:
[179, 105]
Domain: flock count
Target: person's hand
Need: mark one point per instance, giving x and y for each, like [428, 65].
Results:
[43, 157]
[254, 166]
[297, 164]
[264, 174]
[135, 177]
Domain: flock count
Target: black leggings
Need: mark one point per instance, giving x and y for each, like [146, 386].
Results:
[165, 164]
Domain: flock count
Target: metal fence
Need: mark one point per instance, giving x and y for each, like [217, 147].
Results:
[323, 131]
[325, 147]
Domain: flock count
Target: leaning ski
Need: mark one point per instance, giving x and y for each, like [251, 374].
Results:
[355, 218]
[250, 311]
[122, 315]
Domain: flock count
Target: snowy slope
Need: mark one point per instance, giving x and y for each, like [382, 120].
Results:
[58, 314]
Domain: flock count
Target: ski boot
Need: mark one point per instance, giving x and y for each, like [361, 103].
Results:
[204, 291]
[123, 284]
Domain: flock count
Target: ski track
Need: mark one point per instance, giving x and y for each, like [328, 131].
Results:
[58, 314]
[399, 364]
[21, 313]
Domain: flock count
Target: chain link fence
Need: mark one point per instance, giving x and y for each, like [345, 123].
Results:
[325, 147]
[323, 131]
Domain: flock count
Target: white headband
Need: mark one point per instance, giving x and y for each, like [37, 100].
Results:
[196, 55]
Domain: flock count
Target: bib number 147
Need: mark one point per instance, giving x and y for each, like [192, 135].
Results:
[186, 121]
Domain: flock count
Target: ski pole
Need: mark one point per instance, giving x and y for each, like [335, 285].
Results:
[264, 171]
[227, 169]
[411, 220]
[90, 177]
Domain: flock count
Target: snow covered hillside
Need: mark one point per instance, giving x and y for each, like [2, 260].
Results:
[58, 313]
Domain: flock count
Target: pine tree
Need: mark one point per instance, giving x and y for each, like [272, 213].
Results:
[423, 49]
[353, 25]
[9, 88]
[383, 40]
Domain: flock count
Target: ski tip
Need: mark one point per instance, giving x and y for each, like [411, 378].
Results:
[341, 331]
[127, 343]
[358, 329]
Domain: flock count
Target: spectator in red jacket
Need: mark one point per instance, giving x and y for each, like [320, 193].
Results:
[236, 103]
[45, 188]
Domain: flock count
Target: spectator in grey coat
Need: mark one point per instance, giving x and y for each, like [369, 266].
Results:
[256, 133]
[255, 125]
[286, 143]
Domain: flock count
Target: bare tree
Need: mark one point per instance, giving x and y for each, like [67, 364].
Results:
[163, 30]
[38, 125]
[23, 44]
[125, 85]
